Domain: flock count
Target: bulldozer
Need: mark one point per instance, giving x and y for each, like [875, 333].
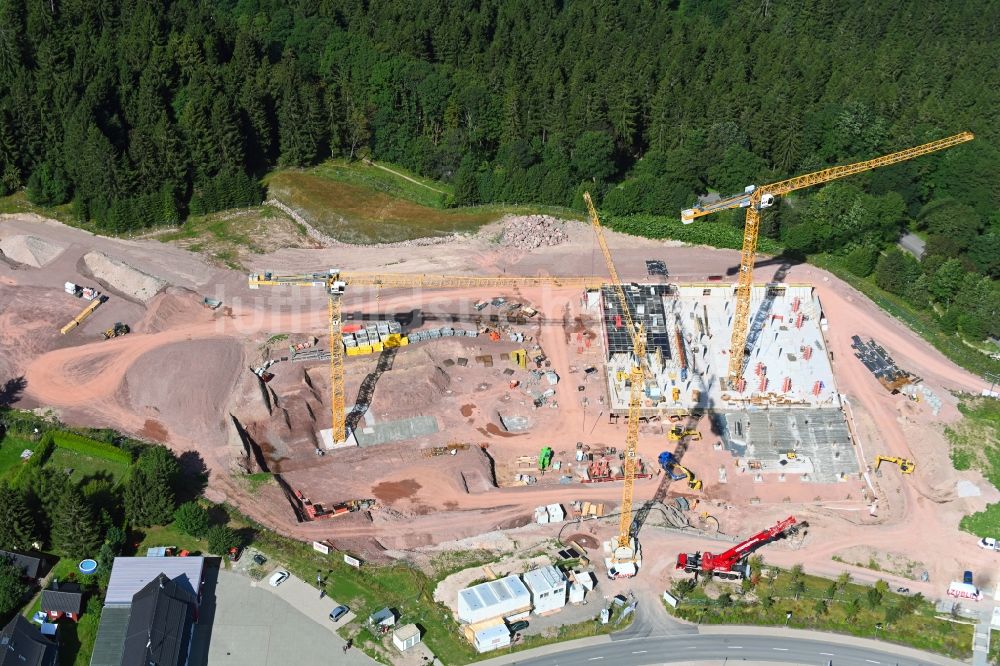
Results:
[906, 466]
[678, 433]
[117, 330]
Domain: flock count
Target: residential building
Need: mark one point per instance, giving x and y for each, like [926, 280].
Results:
[496, 599]
[22, 644]
[548, 589]
[150, 611]
[62, 600]
[30, 564]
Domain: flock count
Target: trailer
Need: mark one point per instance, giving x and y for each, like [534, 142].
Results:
[964, 591]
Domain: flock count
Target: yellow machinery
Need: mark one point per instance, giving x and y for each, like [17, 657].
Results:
[86, 312]
[906, 466]
[678, 433]
[335, 283]
[519, 357]
[625, 557]
[756, 198]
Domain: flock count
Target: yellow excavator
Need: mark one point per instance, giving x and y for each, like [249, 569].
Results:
[906, 466]
[678, 433]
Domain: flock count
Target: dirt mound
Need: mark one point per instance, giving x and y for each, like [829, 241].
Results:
[526, 232]
[183, 386]
[173, 307]
[30, 250]
[121, 276]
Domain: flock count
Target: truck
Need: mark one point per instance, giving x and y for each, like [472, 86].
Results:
[734, 563]
[964, 591]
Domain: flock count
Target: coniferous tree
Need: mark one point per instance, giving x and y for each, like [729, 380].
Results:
[17, 525]
[74, 528]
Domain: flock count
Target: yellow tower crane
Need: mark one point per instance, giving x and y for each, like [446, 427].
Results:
[335, 283]
[624, 554]
[756, 198]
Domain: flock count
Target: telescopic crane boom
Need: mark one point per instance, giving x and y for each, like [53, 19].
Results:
[624, 557]
[756, 198]
[732, 564]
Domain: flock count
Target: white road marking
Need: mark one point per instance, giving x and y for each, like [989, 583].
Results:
[780, 649]
[827, 654]
[640, 651]
[735, 647]
[595, 658]
[872, 661]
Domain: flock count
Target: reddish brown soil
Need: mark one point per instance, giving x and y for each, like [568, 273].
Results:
[389, 492]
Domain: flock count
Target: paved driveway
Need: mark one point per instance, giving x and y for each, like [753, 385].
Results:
[248, 624]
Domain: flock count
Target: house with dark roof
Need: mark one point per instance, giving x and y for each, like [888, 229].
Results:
[160, 626]
[31, 565]
[22, 644]
[62, 600]
[150, 612]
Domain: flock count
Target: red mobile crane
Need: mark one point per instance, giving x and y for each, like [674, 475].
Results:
[733, 564]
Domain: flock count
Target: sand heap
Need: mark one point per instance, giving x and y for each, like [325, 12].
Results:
[527, 232]
[123, 277]
[30, 250]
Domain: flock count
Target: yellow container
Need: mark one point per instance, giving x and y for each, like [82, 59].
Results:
[353, 351]
[403, 341]
[376, 346]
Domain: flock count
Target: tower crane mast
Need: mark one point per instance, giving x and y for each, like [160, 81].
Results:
[754, 199]
[625, 557]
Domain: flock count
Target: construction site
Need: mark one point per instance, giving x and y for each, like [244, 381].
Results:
[422, 398]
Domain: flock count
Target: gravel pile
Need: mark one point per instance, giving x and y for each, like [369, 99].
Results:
[526, 232]
[30, 250]
[121, 276]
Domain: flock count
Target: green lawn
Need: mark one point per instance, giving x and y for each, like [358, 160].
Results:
[84, 466]
[10, 454]
[168, 535]
[425, 191]
[846, 612]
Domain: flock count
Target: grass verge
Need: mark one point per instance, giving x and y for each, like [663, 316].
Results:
[823, 605]
[922, 322]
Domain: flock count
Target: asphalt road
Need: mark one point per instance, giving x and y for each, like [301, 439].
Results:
[731, 649]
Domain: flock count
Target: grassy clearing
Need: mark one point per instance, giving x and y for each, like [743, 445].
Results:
[922, 322]
[424, 191]
[86, 467]
[18, 203]
[975, 444]
[357, 214]
[90, 447]
[228, 237]
[11, 447]
[168, 535]
[356, 203]
[823, 605]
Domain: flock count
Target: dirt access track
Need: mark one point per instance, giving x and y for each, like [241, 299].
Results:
[182, 376]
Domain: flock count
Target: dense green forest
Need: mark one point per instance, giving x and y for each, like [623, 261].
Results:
[141, 113]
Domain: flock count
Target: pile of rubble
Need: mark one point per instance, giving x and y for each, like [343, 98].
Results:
[527, 232]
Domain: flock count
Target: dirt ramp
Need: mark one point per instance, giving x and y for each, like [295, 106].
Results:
[31, 250]
[122, 276]
[185, 386]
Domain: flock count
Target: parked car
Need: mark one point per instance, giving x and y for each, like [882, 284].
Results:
[989, 543]
[279, 577]
[338, 612]
[518, 626]
[967, 578]
[259, 559]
